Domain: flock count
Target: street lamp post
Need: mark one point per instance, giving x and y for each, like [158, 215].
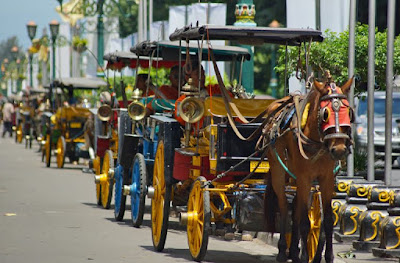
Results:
[273, 83]
[3, 72]
[101, 9]
[54, 29]
[31, 27]
[100, 33]
[18, 62]
[14, 52]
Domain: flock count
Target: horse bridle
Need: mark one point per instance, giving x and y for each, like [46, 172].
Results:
[336, 100]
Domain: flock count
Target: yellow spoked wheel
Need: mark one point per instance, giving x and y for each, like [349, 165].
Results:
[107, 185]
[48, 150]
[198, 222]
[316, 238]
[20, 134]
[61, 147]
[160, 202]
[96, 168]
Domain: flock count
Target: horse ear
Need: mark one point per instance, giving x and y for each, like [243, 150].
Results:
[320, 86]
[346, 86]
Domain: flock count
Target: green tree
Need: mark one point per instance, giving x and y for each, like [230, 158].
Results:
[5, 49]
[332, 55]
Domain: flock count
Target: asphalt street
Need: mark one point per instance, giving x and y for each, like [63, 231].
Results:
[50, 215]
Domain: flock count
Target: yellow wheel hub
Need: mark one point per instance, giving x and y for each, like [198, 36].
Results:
[19, 134]
[96, 168]
[157, 203]
[47, 148]
[106, 179]
[314, 215]
[60, 152]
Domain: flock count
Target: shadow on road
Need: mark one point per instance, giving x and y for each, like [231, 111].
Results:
[216, 256]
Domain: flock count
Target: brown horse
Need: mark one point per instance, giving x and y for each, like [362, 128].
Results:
[305, 136]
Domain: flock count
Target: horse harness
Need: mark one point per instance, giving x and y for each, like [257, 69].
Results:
[293, 115]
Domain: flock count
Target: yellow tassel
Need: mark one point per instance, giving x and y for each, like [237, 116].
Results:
[305, 116]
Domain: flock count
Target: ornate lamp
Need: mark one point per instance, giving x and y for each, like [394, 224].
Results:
[54, 29]
[14, 51]
[31, 27]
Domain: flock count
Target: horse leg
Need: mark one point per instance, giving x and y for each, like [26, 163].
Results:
[278, 185]
[294, 240]
[301, 218]
[327, 188]
[282, 245]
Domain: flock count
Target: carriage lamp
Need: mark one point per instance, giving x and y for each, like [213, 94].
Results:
[136, 110]
[104, 112]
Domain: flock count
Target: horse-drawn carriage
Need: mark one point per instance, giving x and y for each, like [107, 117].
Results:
[65, 131]
[135, 162]
[215, 168]
[136, 147]
[107, 140]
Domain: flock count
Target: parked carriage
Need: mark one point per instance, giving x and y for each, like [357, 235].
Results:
[106, 139]
[209, 168]
[65, 132]
[162, 54]
[136, 146]
[37, 100]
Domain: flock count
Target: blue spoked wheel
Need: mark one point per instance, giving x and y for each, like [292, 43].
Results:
[138, 189]
[119, 197]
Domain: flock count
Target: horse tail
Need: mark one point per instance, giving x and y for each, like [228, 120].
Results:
[270, 206]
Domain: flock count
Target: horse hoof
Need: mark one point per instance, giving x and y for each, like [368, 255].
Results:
[329, 259]
[281, 257]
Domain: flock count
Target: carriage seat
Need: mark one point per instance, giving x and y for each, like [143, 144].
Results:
[250, 108]
[72, 113]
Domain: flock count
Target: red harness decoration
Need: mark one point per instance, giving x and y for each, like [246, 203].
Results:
[344, 116]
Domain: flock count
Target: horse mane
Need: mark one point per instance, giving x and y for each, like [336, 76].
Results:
[313, 98]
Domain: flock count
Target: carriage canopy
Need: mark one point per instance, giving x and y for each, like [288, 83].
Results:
[248, 35]
[79, 83]
[169, 51]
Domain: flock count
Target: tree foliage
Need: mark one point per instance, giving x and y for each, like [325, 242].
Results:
[5, 49]
[332, 55]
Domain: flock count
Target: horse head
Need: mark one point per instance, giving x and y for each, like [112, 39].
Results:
[335, 117]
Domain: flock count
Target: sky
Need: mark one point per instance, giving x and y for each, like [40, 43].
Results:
[15, 14]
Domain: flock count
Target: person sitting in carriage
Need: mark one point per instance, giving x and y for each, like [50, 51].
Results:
[172, 91]
[166, 95]
[141, 84]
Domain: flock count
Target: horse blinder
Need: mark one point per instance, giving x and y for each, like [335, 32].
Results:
[335, 102]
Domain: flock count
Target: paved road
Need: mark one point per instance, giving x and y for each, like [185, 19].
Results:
[49, 215]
